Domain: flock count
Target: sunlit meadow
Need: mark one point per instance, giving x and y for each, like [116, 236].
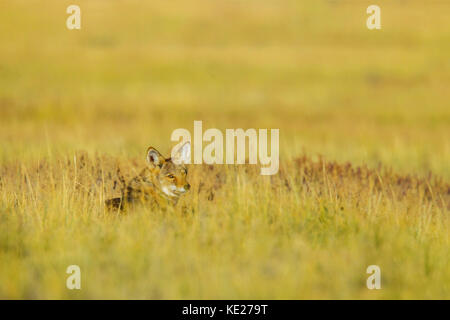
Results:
[364, 119]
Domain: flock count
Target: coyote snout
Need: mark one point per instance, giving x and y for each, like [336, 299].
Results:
[162, 181]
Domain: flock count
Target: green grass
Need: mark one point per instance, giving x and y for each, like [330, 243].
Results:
[136, 71]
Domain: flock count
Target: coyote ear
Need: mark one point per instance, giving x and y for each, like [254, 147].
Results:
[154, 158]
[182, 154]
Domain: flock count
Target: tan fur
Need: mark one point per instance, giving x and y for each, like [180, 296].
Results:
[161, 183]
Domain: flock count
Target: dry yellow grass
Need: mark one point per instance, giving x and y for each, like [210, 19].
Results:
[373, 105]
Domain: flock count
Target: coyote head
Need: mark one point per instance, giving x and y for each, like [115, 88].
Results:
[169, 174]
[163, 178]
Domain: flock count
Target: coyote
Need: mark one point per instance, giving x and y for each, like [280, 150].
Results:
[162, 182]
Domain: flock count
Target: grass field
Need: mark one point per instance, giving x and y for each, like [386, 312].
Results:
[364, 119]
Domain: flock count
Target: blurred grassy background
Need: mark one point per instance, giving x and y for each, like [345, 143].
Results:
[137, 70]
